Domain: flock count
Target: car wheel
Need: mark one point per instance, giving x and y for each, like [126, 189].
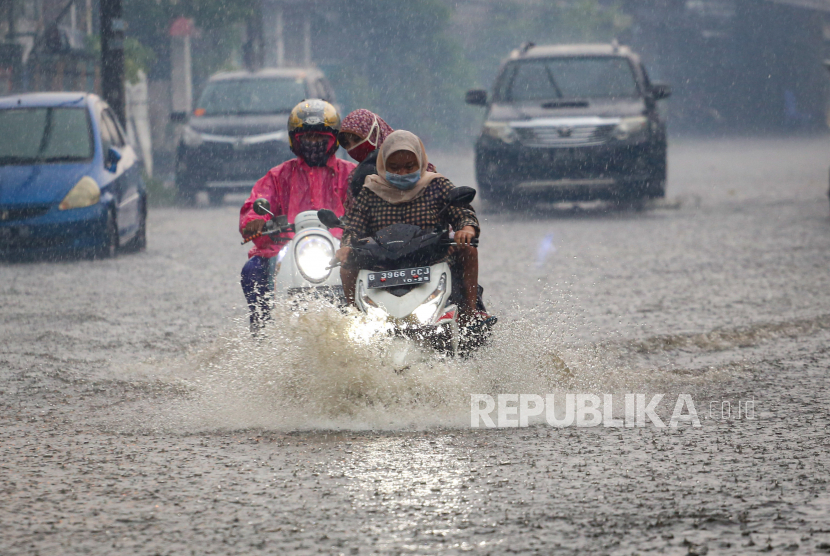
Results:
[493, 202]
[633, 192]
[486, 194]
[110, 247]
[655, 189]
[216, 197]
[185, 195]
[139, 242]
[502, 201]
[186, 189]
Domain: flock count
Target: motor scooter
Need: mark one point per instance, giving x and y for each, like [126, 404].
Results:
[405, 280]
[303, 266]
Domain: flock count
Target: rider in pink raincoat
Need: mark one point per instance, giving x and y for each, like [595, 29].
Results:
[315, 180]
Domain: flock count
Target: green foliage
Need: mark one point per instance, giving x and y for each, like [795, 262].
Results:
[217, 21]
[397, 58]
[550, 22]
[400, 61]
[136, 56]
[157, 194]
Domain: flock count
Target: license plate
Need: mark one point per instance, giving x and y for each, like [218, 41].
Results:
[401, 277]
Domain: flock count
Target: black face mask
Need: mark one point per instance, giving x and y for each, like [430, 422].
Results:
[314, 153]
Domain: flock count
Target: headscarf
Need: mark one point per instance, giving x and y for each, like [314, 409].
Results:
[369, 127]
[400, 140]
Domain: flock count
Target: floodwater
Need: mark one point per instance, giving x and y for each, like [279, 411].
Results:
[138, 417]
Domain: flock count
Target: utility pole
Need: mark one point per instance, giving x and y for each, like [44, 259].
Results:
[112, 56]
[12, 34]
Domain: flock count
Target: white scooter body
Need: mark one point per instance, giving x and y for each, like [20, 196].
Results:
[427, 310]
[310, 246]
[423, 314]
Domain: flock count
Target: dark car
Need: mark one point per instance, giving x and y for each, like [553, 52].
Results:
[69, 180]
[571, 122]
[238, 130]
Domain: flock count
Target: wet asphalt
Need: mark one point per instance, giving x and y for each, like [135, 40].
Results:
[138, 417]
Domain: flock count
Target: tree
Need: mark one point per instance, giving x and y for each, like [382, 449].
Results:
[513, 22]
[398, 59]
[148, 22]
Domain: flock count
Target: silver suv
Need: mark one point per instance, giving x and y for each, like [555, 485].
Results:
[571, 122]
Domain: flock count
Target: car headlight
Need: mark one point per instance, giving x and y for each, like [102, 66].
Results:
[313, 255]
[427, 311]
[191, 137]
[85, 194]
[501, 131]
[630, 126]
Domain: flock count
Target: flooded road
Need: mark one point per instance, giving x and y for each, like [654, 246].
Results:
[138, 417]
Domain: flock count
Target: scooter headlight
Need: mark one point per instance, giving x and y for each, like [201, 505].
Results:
[313, 255]
[427, 312]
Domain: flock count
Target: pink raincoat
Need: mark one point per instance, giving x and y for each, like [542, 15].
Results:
[294, 187]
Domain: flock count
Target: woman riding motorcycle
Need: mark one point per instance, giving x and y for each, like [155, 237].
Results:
[405, 191]
[315, 180]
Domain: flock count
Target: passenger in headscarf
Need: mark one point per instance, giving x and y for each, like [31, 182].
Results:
[405, 191]
[362, 133]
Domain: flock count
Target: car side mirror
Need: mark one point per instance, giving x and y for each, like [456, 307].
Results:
[660, 91]
[112, 160]
[461, 196]
[827, 64]
[476, 97]
[178, 117]
[329, 219]
[262, 207]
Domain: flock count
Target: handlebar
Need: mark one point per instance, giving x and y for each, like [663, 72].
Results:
[284, 229]
[473, 242]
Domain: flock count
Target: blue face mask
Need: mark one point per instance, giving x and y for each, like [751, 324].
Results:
[403, 182]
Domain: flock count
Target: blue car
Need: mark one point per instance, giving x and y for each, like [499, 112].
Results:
[70, 183]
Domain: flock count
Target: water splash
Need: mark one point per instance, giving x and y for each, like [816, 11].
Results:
[310, 370]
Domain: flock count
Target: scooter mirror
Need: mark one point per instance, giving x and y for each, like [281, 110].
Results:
[262, 207]
[280, 221]
[461, 196]
[329, 219]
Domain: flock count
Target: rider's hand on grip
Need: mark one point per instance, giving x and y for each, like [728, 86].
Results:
[253, 227]
[252, 230]
[465, 235]
[343, 254]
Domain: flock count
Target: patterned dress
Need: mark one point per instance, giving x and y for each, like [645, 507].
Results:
[369, 213]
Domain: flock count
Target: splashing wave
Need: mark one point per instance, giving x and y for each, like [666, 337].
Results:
[311, 370]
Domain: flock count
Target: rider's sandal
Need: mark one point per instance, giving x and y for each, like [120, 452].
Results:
[480, 322]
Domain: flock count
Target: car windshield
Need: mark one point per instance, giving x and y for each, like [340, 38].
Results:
[251, 96]
[45, 135]
[578, 77]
